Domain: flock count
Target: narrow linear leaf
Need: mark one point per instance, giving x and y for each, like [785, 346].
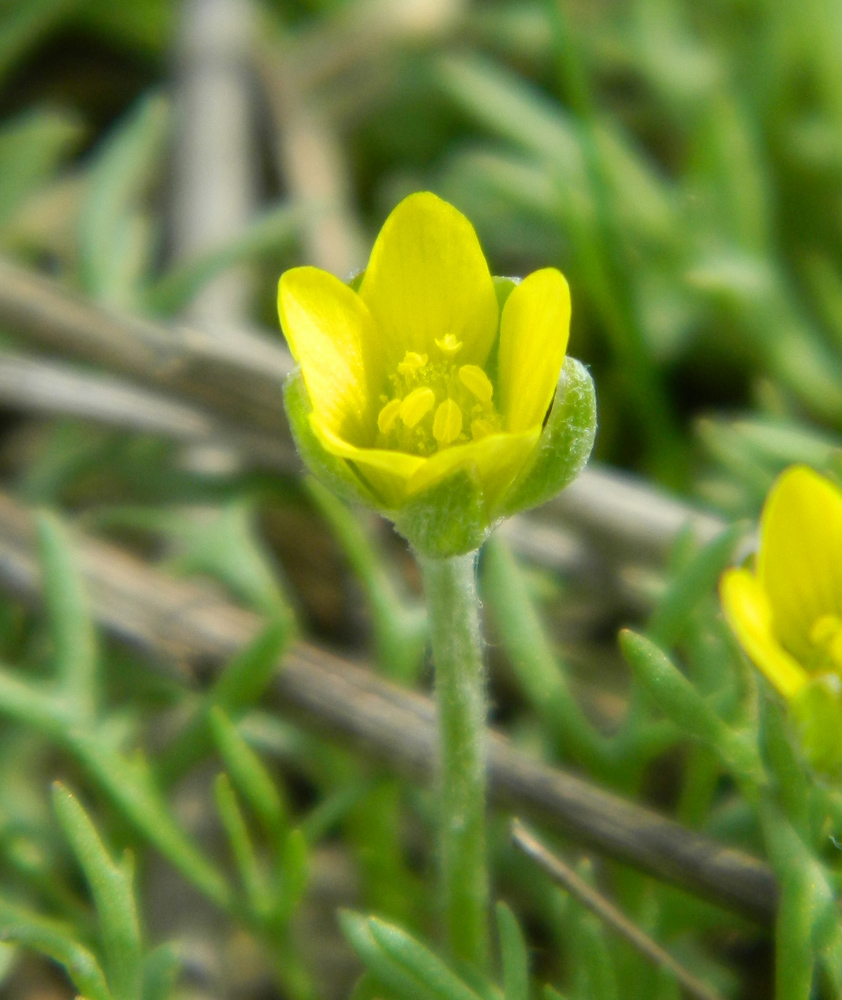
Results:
[240, 842]
[248, 774]
[113, 239]
[513, 955]
[132, 791]
[420, 961]
[54, 940]
[113, 896]
[293, 873]
[68, 613]
[392, 974]
[691, 585]
[160, 971]
[671, 690]
[240, 684]
[274, 231]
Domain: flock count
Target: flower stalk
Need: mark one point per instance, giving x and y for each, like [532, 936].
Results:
[451, 594]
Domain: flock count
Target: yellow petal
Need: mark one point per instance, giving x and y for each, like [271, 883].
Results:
[427, 278]
[533, 338]
[748, 613]
[800, 561]
[388, 472]
[494, 461]
[334, 338]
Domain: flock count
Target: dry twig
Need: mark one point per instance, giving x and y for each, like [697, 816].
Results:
[564, 875]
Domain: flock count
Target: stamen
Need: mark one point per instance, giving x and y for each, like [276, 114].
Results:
[449, 345]
[417, 405]
[388, 415]
[411, 363]
[476, 381]
[447, 424]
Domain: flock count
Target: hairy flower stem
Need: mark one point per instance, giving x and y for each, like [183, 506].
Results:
[450, 587]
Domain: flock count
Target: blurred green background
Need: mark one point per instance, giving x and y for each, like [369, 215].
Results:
[681, 162]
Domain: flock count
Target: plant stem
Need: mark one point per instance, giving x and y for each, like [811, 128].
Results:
[452, 606]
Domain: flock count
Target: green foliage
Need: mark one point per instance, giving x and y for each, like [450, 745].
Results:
[681, 163]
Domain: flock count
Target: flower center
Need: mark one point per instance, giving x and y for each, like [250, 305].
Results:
[826, 638]
[436, 403]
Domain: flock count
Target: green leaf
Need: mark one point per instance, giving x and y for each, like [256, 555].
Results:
[68, 613]
[250, 672]
[275, 230]
[684, 705]
[241, 683]
[695, 581]
[540, 674]
[513, 955]
[671, 690]
[32, 146]
[226, 547]
[130, 788]
[112, 891]
[783, 763]
[794, 957]
[114, 241]
[249, 775]
[392, 974]
[240, 843]
[80, 964]
[293, 873]
[419, 961]
[564, 446]
[400, 629]
[160, 971]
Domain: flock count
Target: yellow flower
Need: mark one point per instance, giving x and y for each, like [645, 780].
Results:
[788, 614]
[419, 374]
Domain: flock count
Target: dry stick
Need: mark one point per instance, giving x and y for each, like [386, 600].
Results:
[606, 911]
[187, 623]
[213, 189]
[43, 386]
[241, 380]
[238, 376]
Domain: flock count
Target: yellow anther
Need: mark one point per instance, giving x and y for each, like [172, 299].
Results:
[481, 428]
[388, 415]
[417, 405]
[412, 362]
[476, 381]
[447, 423]
[824, 629]
[449, 345]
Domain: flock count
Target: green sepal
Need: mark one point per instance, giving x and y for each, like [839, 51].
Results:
[564, 446]
[503, 288]
[447, 519]
[332, 471]
[817, 714]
